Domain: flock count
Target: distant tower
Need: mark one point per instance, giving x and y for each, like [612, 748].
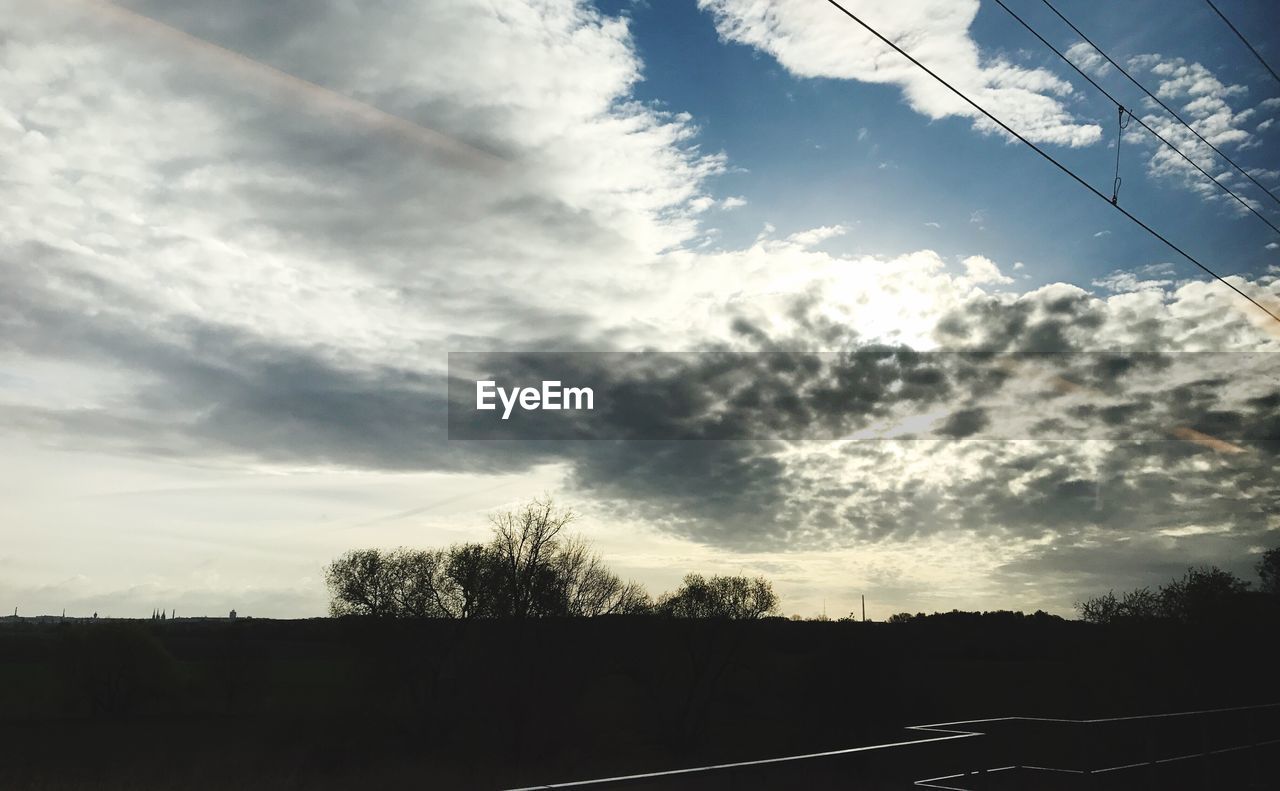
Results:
[233, 615]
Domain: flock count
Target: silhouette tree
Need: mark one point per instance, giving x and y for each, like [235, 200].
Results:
[1269, 571]
[1203, 593]
[418, 583]
[360, 583]
[1141, 604]
[1099, 609]
[472, 571]
[584, 587]
[524, 543]
[732, 597]
[528, 569]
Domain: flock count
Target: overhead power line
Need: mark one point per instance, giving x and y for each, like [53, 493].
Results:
[1141, 123]
[1244, 40]
[1158, 101]
[1048, 156]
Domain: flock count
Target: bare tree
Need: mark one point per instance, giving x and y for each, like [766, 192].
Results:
[1142, 604]
[1201, 594]
[1099, 609]
[528, 569]
[472, 570]
[584, 587]
[732, 597]
[1269, 571]
[1204, 593]
[420, 586]
[359, 584]
[525, 542]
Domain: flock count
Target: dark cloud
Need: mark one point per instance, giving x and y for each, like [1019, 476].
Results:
[965, 423]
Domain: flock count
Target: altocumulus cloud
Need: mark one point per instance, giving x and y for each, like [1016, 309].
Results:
[1199, 96]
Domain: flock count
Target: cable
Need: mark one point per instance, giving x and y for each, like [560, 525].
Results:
[1155, 99]
[1141, 123]
[1244, 40]
[1047, 156]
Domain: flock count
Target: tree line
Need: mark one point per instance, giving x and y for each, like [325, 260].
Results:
[1201, 594]
[530, 568]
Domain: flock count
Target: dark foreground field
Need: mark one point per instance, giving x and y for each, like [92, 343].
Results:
[191, 704]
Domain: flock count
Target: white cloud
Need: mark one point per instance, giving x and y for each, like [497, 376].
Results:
[733, 202]
[1201, 98]
[1272, 245]
[1089, 60]
[979, 269]
[1124, 282]
[814, 40]
[701, 203]
[239, 154]
[815, 236]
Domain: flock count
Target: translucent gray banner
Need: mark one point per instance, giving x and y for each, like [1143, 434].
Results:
[871, 393]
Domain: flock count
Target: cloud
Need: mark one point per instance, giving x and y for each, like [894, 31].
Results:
[815, 40]
[983, 270]
[1202, 99]
[239, 397]
[733, 202]
[1089, 60]
[205, 265]
[347, 223]
[1121, 282]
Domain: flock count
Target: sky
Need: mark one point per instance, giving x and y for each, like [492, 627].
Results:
[239, 240]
